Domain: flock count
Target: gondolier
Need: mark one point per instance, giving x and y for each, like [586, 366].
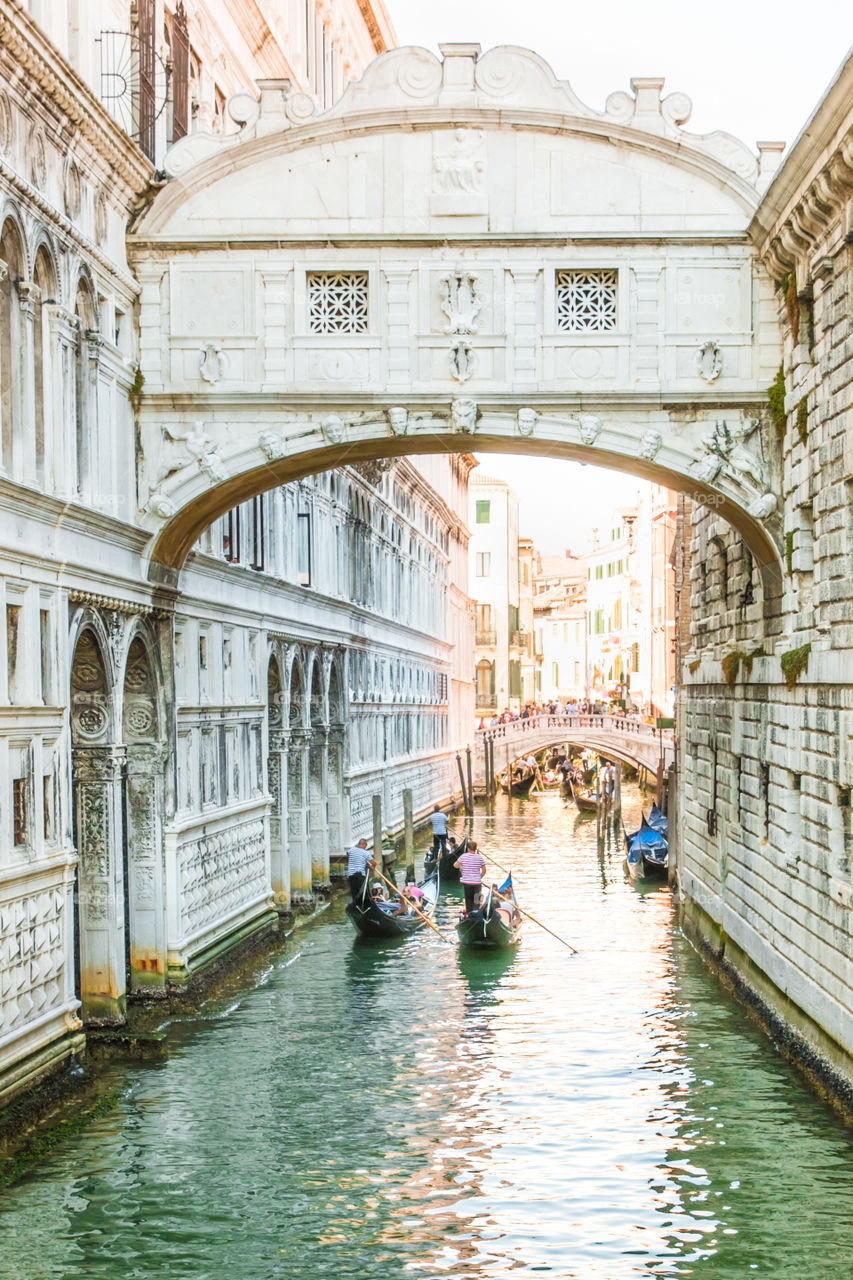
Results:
[438, 822]
[359, 862]
[472, 868]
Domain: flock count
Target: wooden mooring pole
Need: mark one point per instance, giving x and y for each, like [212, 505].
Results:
[409, 834]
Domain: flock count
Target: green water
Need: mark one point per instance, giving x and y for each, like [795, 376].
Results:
[403, 1111]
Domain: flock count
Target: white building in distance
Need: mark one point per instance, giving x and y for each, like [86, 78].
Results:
[501, 644]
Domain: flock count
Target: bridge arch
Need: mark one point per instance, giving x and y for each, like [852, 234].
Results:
[460, 254]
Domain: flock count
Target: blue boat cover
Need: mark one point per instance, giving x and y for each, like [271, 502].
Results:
[658, 821]
[649, 842]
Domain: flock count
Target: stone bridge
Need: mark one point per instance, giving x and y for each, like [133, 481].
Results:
[631, 741]
[459, 254]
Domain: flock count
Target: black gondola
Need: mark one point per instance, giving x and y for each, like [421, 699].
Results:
[521, 781]
[648, 849]
[488, 927]
[374, 919]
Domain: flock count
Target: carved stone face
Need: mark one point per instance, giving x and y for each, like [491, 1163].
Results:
[398, 419]
[463, 413]
[333, 428]
[590, 428]
[649, 444]
[526, 420]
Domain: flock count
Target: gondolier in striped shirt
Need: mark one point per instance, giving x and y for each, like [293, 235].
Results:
[472, 868]
[438, 822]
[359, 863]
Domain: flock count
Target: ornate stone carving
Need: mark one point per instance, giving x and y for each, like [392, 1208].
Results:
[709, 361]
[459, 175]
[333, 428]
[219, 873]
[101, 219]
[375, 469]
[7, 124]
[589, 428]
[763, 507]
[398, 420]
[727, 443]
[181, 448]
[213, 466]
[463, 415]
[161, 506]
[463, 360]
[33, 948]
[212, 363]
[707, 468]
[38, 159]
[272, 445]
[72, 189]
[650, 443]
[460, 301]
[525, 421]
[462, 167]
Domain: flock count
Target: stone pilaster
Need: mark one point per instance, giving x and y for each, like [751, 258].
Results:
[146, 880]
[97, 776]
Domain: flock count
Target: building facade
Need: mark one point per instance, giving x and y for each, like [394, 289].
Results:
[176, 766]
[495, 577]
[559, 606]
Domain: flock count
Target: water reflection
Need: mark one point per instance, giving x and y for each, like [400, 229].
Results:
[408, 1109]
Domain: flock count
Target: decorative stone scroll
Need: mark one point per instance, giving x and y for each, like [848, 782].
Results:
[709, 361]
[461, 301]
[463, 360]
[212, 363]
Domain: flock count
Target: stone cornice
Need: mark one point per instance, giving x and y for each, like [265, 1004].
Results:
[45, 69]
[814, 186]
[378, 23]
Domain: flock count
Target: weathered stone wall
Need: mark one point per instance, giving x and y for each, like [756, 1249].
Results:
[766, 708]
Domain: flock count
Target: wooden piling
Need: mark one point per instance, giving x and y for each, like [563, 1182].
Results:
[409, 834]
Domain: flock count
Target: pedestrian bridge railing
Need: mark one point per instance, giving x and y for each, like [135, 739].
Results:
[625, 738]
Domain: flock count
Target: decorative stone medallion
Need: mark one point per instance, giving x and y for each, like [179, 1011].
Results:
[38, 159]
[7, 124]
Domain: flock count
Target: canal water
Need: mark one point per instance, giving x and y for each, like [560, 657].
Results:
[405, 1111]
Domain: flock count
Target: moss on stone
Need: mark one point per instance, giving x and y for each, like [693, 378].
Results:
[776, 400]
[803, 420]
[792, 305]
[693, 667]
[731, 665]
[794, 663]
[748, 659]
[789, 550]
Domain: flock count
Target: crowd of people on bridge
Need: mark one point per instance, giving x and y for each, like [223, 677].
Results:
[570, 707]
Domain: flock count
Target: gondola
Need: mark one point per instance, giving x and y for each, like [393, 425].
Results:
[488, 928]
[447, 872]
[520, 784]
[647, 849]
[373, 919]
[585, 804]
[659, 822]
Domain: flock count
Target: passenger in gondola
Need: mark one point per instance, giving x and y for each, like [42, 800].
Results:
[404, 906]
[472, 867]
[504, 906]
[359, 865]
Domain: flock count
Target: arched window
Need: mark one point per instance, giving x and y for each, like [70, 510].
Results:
[84, 309]
[485, 682]
[11, 271]
[45, 280]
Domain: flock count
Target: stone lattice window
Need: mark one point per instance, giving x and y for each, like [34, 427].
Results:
[337, 301]
[586, 301]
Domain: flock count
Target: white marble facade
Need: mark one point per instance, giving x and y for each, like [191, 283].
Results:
[175, 766]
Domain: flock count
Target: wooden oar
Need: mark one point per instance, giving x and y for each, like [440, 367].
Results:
[529, 914]
[416, 909]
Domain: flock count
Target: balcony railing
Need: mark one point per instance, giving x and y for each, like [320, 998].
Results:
[485, 636]
[518, 639]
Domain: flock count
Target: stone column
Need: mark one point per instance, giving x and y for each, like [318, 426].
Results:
[526, 325]
[646, 342]
[61, 456]
[275, 296]
[23, 439]
[319, 816]
[146, 873]
[399, 338]
[337, 835]
[297, 819]
[277, 784]
[98, 782]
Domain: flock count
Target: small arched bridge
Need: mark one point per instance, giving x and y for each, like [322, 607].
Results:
[620, 737]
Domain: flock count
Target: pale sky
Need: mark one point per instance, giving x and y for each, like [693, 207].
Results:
[754, 68]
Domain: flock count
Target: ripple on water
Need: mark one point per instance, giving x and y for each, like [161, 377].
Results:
[407, 1110]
